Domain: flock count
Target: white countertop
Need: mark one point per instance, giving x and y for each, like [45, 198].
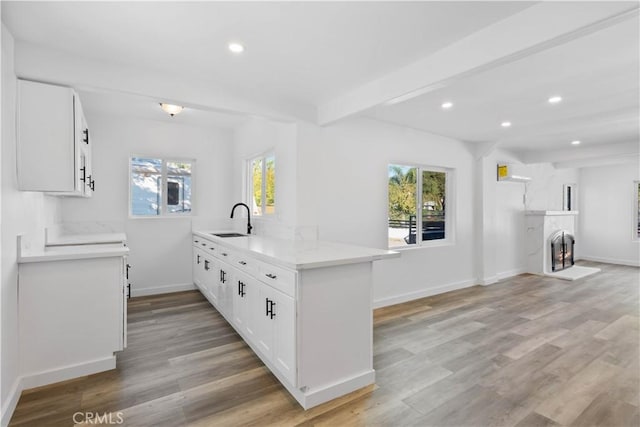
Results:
[64, 253]
[85, 239]
[299, 255]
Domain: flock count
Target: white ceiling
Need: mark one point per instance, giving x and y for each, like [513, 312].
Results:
[597, 76]
[304, 54]
[128, 105]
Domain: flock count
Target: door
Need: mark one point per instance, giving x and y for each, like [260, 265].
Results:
[225, 289]
[198, 268]
[210, 282]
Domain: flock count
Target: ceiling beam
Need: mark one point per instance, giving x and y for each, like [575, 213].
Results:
[537, 28]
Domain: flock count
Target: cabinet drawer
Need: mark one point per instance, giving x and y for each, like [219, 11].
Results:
[245, 264]
[282, 279]
[224, 254]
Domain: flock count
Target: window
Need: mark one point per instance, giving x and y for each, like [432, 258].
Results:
[636, 209]
[418, 201]
[261, 181]
[160, 187]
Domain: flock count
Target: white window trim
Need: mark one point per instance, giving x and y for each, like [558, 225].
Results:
[163, 201]
[634, 227]
[450, 229]
[248, 187]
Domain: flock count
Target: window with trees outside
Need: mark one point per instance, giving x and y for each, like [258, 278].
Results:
[160, 187]
[417, 201]
[261, 181]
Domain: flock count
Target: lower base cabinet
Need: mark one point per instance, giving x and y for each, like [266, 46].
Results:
[312, 327]
[72, 317]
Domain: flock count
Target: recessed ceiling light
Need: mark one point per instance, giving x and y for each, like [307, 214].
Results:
[576, 142]
[555, 99]
[171, 109]
[505, 124]
[236, 47]
[447, 105]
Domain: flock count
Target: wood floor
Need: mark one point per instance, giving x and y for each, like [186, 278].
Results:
[528, 351]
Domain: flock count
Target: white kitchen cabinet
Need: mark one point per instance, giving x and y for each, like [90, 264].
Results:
[275, 319]
[198, 268]
[305, 308]
[211, 279]
[72, 317]
[54, 147]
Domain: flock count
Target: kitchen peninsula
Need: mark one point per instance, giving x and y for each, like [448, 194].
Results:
[304, 307]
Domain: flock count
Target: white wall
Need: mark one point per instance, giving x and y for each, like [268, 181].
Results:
[606, 201]
[501, 253]
[255, 137]
[344, 170]
[160, 247]
[22, 213]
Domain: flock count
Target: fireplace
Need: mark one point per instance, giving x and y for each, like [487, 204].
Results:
[562, 244]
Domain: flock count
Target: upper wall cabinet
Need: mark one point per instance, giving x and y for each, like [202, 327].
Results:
[54, 150]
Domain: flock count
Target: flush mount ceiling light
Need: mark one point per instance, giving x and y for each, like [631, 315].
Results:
[236, 47]
[447, 105]
[576, 142]
[171, 109]
[555, 99]
[505, 124]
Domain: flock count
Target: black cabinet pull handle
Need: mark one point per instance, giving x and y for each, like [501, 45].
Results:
[273, 313]
[239, 288]
[267, 306]
[197, 241]
[84, 174]
[242, 263]
[224, 276]
[128, 290]
[206, 265]
[93, 185]
[127, 272]
[203, 244]
[86, 136]
[271, 276]
[198, 261]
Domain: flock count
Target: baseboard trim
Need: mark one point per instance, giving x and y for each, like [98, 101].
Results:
[180, 287]
[410, 296]
[12, 402]
[68, 372]
[511, 273]
[630, 263]
[316, 397]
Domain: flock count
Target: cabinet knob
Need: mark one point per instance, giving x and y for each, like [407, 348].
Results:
[224, 254]
[271, 276]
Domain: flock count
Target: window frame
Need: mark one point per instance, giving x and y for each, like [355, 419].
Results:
[164, 213]
[449, 223]
[249, 183]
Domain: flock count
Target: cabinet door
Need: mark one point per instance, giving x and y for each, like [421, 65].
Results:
[85, 180]
[225, 289]
[284, 347]
[264, 323]
[244, 291]
[198, 268]
[211, 282]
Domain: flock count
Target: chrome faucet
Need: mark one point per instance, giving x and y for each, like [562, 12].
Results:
[249, 227]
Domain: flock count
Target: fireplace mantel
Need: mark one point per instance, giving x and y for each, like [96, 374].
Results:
[550, 213]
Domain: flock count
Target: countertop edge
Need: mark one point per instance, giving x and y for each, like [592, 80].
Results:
[49, 257]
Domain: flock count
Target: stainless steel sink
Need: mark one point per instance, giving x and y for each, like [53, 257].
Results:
[229, 234]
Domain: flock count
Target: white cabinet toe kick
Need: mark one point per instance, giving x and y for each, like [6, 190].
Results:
[312, 327]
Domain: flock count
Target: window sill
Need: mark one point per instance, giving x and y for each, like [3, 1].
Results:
[429, 245]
